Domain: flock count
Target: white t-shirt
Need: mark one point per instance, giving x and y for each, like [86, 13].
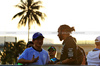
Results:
[93, 58]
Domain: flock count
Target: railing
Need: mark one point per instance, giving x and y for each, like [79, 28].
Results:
[48, 65]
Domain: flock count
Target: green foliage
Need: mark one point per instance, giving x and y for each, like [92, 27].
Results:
[11, 51]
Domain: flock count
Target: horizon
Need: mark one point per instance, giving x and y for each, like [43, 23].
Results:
[46, 40]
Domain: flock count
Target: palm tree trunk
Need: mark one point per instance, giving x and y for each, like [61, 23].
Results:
[28, 33]
[28, 29]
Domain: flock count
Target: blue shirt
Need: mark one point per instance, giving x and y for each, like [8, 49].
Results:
[29, 52]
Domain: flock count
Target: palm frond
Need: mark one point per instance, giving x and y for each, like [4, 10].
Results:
[25, 4]
[25, 20]
[36, 7]
[29, 2]
[36, 19]
[21, 20]
[21, 7]
[36, 3]
[38, 13]
[18, 14]
[19, 24]
[31, 17]
[41, 15]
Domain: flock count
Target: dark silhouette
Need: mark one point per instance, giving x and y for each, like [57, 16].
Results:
[29, 44]
[69, 49]
[30, 13]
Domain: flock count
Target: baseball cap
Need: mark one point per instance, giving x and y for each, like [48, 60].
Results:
[36, 35]
[52, 47]
[97, 39]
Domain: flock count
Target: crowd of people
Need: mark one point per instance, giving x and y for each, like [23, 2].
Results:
[71, 53]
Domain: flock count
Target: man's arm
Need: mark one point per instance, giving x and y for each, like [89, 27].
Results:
[66, 61]
[23, 61]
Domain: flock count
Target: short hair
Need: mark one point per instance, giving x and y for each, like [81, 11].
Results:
[30, 42]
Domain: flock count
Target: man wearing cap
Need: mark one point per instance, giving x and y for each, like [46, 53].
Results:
[93, 57]
[52, 53]
[35, 55]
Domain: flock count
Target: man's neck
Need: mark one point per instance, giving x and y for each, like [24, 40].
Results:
[65, 36]
[98, 47]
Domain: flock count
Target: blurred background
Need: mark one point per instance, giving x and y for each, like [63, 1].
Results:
[83, 15]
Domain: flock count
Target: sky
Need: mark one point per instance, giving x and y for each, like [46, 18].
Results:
[83, 15]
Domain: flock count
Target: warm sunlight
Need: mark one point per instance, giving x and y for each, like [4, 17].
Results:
[84, 15]
[17, 47]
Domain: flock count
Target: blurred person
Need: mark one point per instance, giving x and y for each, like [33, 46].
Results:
[83, 60]
[35, 55]
[68, 53]
[29, 44]
[52, 54]
[93, 57]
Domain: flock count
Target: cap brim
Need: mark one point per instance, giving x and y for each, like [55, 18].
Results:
[39, 37]
[97, 41]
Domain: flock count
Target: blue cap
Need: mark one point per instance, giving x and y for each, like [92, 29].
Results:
[36, 35]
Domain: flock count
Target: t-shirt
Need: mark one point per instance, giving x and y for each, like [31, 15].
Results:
[93, 57]
[69, 49]
[29, 52]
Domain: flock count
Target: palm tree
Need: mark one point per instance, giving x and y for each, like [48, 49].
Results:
[30, 13]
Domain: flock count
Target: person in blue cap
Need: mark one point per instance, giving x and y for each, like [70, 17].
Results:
[52, 54]
[35, 55]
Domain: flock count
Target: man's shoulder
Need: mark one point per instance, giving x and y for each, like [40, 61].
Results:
[70, 38]
[44, 51]
[28, 49]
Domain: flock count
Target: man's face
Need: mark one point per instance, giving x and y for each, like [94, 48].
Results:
[60, 34]
[38, 42]
[51, 52]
